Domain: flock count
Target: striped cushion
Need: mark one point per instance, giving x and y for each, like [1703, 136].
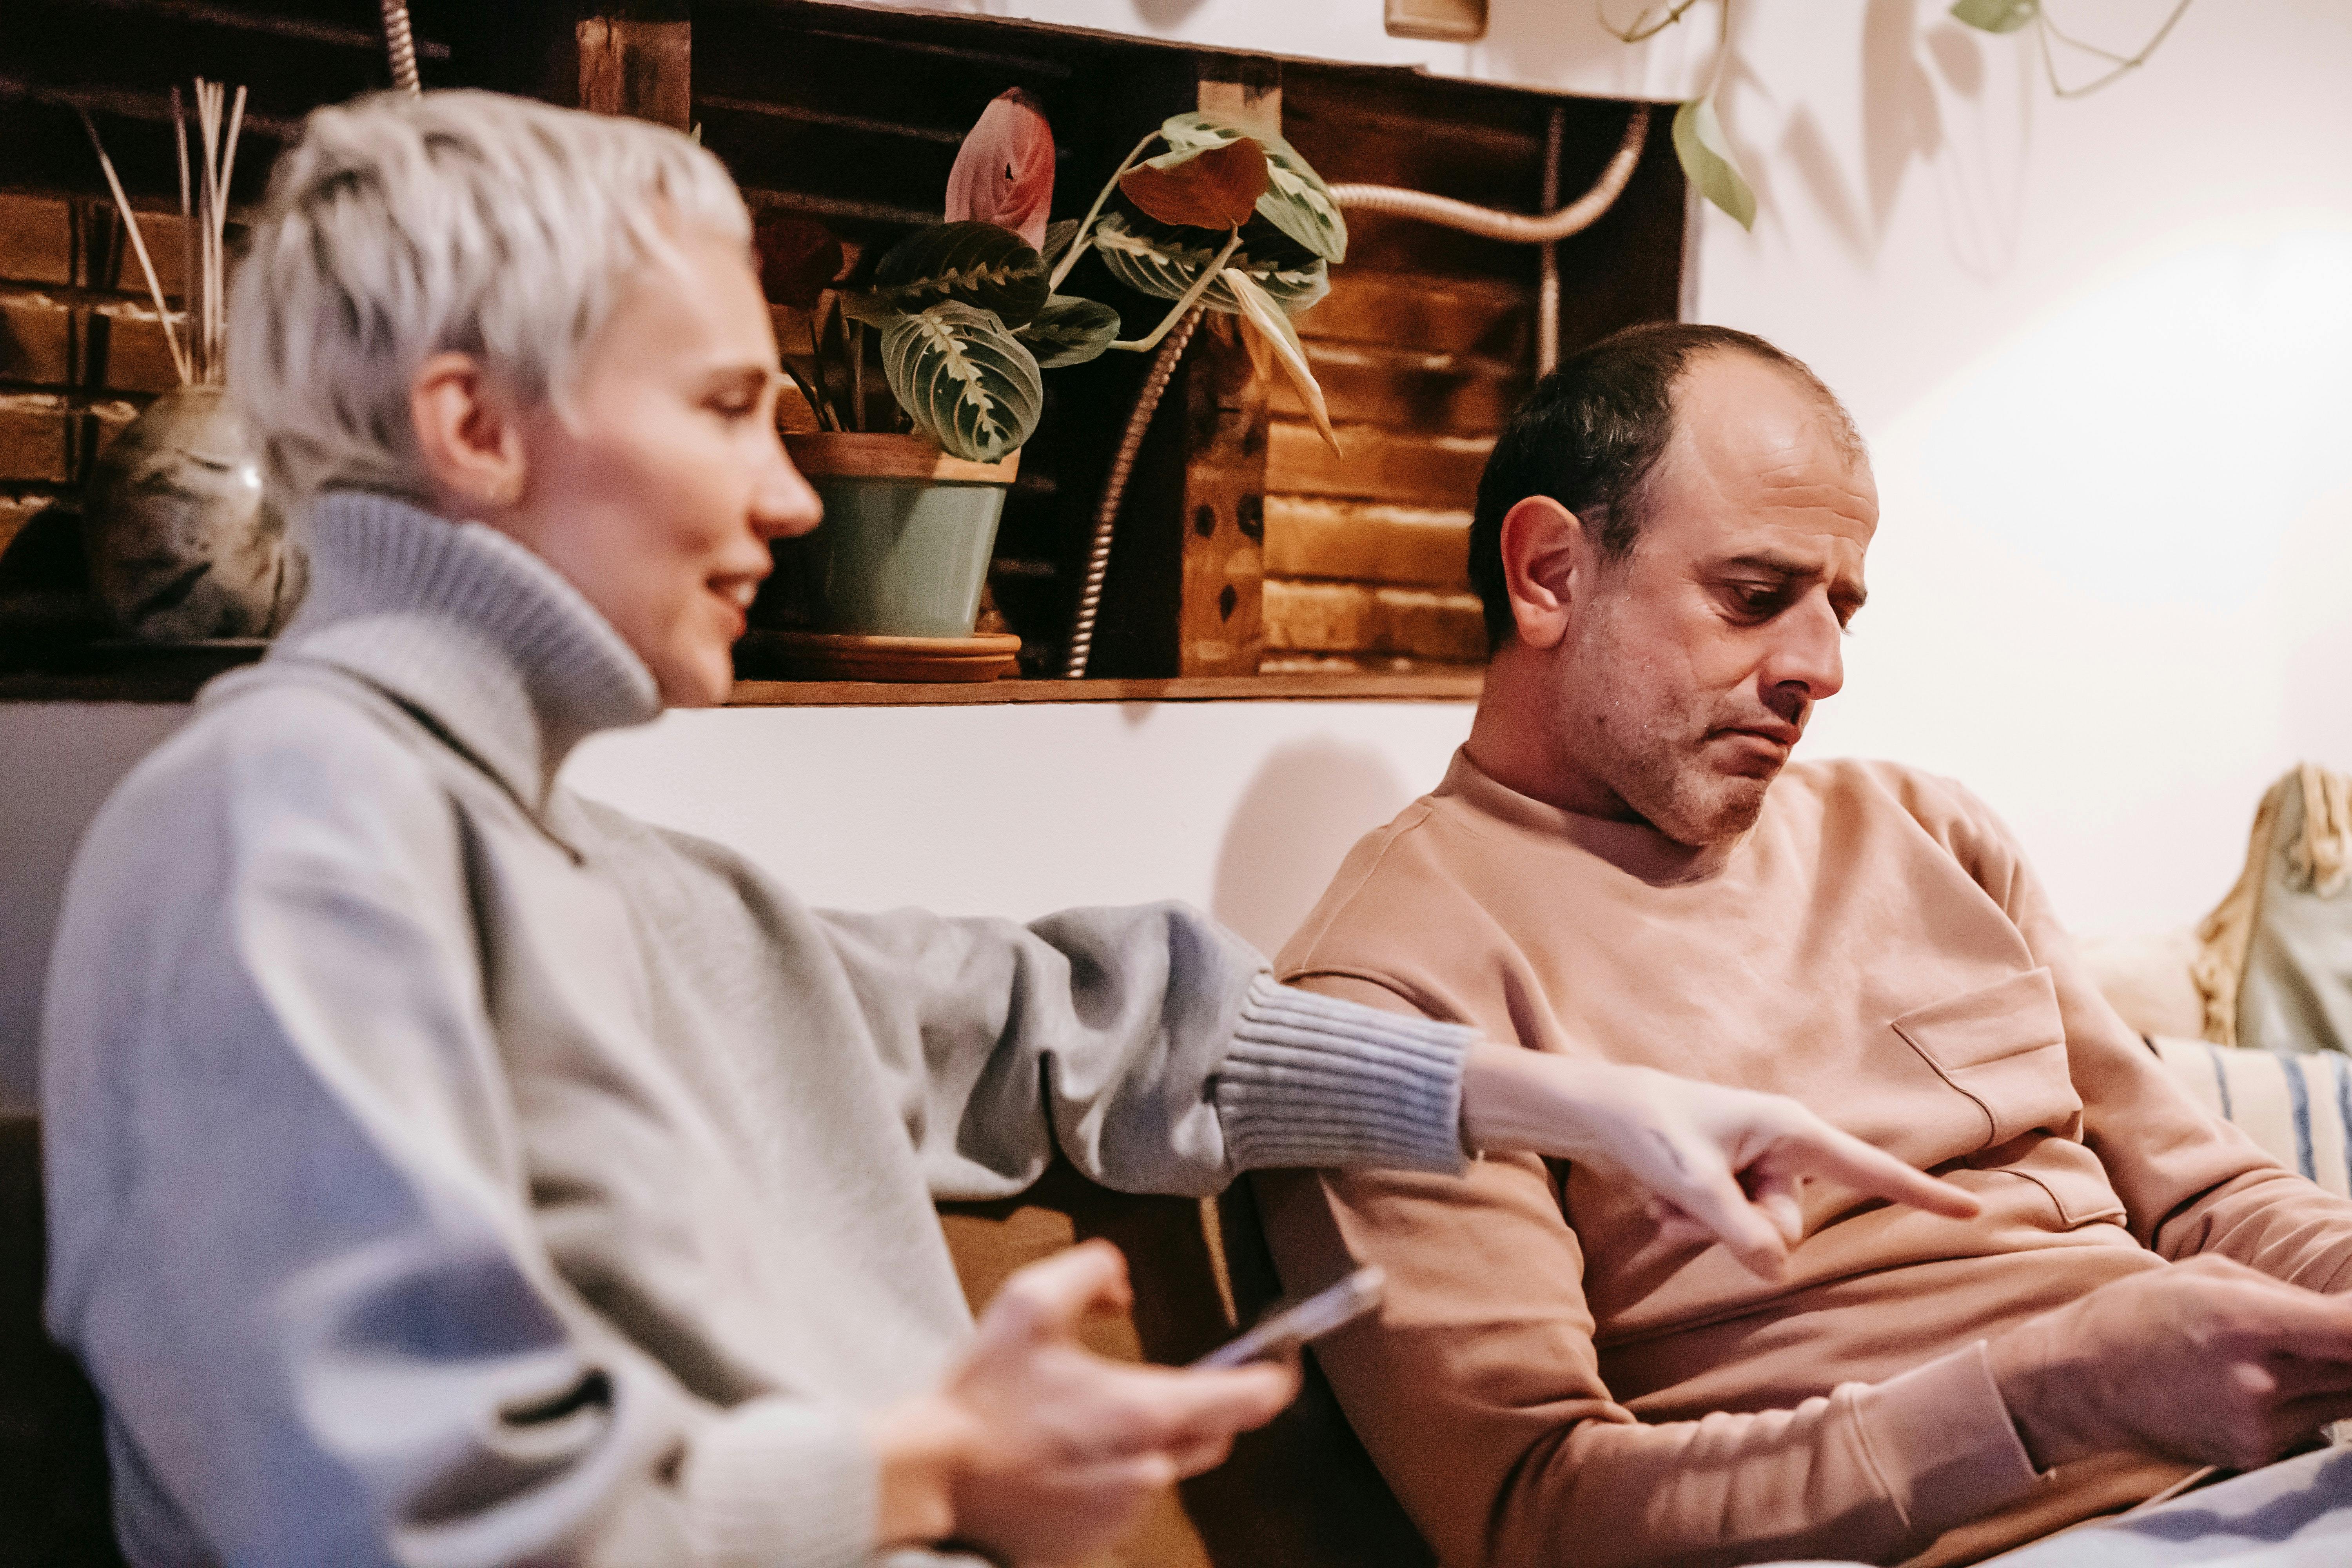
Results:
[2296, 1106]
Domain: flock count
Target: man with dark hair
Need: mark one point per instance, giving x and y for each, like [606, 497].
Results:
[1621, 865]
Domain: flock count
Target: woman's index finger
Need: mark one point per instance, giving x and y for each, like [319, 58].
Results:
[1841, 1157]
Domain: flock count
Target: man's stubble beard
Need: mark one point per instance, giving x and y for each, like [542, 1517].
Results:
[1648, 743]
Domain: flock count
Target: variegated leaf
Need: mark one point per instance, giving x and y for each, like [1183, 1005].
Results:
[1296, 201]
[1155, 260]
[975, 264]
[966, 382]
[1260, 312]
[1070, 329]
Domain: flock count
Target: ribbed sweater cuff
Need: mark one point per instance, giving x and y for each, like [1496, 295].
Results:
[1317, 1081]
[1942, 1439]
[777, 1482]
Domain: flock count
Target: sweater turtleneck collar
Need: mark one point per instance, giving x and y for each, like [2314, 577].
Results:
[464, 625]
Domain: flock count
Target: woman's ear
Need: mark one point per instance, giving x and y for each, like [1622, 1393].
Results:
[1543, 549]
[469, 438]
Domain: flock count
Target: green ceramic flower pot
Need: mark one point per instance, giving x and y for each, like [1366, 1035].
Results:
[904, 547]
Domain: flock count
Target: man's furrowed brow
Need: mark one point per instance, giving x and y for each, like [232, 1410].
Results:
[1848, 597]
[1773, 563]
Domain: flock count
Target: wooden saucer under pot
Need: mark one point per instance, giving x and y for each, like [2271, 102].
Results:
[855, 655]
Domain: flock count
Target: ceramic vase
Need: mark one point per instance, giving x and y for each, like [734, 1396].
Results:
[182, 542]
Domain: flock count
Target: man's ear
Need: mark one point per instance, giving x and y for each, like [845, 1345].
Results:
[468, 437]
[1543, 551]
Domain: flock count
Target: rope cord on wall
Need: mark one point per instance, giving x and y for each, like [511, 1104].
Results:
[1517, 227]
[1147, 403]
[400, 44]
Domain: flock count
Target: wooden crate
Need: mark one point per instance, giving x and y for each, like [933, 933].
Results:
[853, 115]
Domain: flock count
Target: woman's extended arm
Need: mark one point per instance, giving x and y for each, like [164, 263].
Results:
[1728, 1161]
[1169, 1060]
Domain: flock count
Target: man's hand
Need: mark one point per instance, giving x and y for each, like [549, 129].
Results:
[1729, 1161]
[1040, 1451]
[2205, 1360]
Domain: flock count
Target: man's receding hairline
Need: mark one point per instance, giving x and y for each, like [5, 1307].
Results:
[1594, 432]
[1844, 432]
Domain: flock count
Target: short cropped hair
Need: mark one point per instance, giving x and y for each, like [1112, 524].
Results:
[400, 227]
[1590, 434]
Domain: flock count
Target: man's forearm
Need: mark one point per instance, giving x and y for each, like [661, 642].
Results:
[2270, 1220]
[1870, 1471]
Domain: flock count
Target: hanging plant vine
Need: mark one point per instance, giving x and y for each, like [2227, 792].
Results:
[1706, 153]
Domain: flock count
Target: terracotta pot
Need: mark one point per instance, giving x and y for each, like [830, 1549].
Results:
[907, 531]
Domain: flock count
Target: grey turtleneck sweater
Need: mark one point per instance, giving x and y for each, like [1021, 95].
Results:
[443, 1169]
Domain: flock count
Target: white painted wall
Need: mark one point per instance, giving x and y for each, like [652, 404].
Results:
[1243, 808]
[1557, 45]
[2102, 350]
[59, 761]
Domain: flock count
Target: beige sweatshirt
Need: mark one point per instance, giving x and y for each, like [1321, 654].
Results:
[1553, 1381]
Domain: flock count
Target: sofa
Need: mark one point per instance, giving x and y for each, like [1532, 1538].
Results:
[1301, 1493]
[2222, 1006]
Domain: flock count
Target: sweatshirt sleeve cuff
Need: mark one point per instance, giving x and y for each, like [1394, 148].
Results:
[1942, 1442]
[782, 1480]
[1317, 1082]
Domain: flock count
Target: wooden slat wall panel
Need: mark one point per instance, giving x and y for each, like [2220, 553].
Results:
[1419, 311]
[1375, 464]
[853, 115]
[1407, 390]
[1220, 629]
[1310, 536]
[1366, 617]
[79, 353]
[1424, 347]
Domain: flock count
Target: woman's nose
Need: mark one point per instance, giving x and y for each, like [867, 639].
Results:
[784, 506]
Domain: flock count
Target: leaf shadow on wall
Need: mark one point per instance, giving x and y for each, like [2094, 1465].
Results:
[1928, 97]
[1308, 804]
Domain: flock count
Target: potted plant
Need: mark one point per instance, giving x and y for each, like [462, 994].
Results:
[966, 315]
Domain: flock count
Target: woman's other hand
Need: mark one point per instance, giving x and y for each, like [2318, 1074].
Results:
[1040, 1451]
[1729, 1163]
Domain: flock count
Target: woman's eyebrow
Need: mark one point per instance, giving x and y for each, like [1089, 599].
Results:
[745, 374]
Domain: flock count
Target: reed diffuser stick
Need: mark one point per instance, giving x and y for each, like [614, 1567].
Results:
[138, 246]
[187, 221]
[220, 227]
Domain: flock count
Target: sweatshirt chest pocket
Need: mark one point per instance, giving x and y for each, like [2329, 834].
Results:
[2004, 1046]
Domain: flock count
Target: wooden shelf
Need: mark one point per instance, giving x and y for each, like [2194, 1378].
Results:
[166, 679]
[112, 671]
[1342, 686]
